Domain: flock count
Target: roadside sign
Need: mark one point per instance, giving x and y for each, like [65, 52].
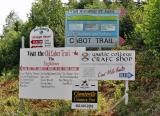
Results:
[92, 28]
[47, 73]
[41, 37]
[108, 65]
[85, 94]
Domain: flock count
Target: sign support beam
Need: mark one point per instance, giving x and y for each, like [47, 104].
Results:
[21, 104]
[126, 92]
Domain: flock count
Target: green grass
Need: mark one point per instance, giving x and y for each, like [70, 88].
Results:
[92, 18]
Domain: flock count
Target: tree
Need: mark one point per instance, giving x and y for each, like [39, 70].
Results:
[13, 22]
[83, 3]
[126, 3]
[126, 27]
[39, 15]
[10, 44]
[9, 50]
[96, 4]
[49, 13]
[151, 26]
[107, 2]
[72, 4]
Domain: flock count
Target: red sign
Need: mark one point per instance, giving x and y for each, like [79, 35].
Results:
[36, 41]
[36, 46]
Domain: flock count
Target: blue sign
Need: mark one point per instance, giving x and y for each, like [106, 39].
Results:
[126, 75]
[92, 28]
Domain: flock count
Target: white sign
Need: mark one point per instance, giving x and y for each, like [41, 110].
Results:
[41, 37]
[48, 73]
[108, 65]
[85, 94]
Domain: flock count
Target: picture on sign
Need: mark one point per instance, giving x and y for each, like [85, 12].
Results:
[75, 27]
[41, 37]
[108, 27]
[108, 65]
[48, 73]
[92, 28]
[85, 94]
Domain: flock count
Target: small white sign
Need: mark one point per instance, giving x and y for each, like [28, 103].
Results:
[41, 37]
[47, 73]
[108, 65]
[85, 94]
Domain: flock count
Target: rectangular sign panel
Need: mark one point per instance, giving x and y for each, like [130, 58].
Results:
[48, 73]
[85, 94]
[108, 65]
[92, 28]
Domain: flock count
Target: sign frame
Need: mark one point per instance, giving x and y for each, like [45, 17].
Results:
[90, 37]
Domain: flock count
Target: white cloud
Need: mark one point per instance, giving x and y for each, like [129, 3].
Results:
[21, 7]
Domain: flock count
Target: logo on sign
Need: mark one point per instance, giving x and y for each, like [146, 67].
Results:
[84, 85]
[41, 32]
[85, 56]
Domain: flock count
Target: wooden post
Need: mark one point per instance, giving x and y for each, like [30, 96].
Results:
[21, 104]
[126, 92]
[22, 40]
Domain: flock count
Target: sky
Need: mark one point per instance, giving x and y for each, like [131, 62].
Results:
[21, 7]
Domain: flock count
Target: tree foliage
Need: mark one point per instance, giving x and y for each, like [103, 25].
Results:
[96, 4]
[10, 42]
[151, 24]
[49, 13]
[12, 22]
[9, 50]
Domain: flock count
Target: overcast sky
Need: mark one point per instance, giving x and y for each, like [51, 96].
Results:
[21, 7]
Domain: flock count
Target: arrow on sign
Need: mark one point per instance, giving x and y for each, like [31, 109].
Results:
[126, 75]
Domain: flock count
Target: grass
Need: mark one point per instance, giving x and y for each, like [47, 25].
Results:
[10, 104]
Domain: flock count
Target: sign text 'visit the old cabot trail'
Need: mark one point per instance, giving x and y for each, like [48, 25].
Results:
[48, 73]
